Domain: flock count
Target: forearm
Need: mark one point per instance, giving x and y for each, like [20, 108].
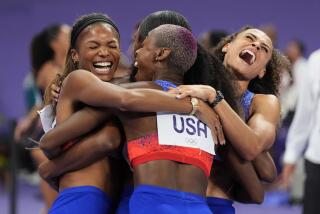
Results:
[70, 161]
[250, 189]
[91, 149]
[265, 167]
[79, 124]
[149, 100]
[241, 195]
[240, 135]
[93, 92]
[141, 100]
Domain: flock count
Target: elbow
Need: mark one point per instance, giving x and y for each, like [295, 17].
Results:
[251, 153]
[49, 151]
[126, 101]
[106, 145]
[45, 144]
[257, 197]
[268, 174]
[131, 101]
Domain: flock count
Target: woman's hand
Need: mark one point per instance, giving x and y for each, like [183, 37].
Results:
[45, 172]
[203, 92]
[207, 115]
[55, 91]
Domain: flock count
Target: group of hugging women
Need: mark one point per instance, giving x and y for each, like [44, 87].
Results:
[187, 132]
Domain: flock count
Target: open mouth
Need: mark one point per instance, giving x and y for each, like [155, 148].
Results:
[248, 56]
[102, 67]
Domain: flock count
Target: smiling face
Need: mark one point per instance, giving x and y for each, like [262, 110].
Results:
[145, 59]
[248, 54]
[97, 50]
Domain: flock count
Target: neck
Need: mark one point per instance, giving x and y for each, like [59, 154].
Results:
[243, 86]
[171, 75]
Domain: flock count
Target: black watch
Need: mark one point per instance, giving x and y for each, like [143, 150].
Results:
[219, 97]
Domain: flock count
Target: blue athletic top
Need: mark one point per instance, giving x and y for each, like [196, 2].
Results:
[165, 84]
[246, 101]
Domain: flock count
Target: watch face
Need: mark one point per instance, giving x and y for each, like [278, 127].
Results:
[219, 93]
[219, 97]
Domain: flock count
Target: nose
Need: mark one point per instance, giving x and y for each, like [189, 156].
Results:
[136, 53]
[103, 52]
[256, 45]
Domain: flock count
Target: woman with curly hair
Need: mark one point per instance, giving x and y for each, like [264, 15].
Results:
[256, 65]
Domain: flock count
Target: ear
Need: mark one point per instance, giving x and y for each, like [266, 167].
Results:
[225, 48]
[262, 73]
[163, 54]
[74, 55]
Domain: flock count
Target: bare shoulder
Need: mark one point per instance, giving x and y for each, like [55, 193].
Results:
[78, 81]
[79, 77]
[267, 103]
[266, 99]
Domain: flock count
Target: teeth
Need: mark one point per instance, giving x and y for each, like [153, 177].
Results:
[253, 58]
[102, 70]
[135, 64]
[103, 64]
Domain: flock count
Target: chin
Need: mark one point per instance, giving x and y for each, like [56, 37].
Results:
[107, 79]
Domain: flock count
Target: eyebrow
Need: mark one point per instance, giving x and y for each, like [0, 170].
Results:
[251, 34]
[263, 44]
[97, 42]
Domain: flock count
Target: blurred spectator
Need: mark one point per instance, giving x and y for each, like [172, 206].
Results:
[304, 135]
[272, 32]
[211, 38]
[291, 81]
[48, 53]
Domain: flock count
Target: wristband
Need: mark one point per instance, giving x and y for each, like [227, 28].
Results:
[219, 97]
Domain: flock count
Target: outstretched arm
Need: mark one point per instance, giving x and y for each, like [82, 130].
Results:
[91, 149]
[93, 92]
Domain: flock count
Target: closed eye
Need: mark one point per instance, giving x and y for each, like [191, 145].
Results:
[250, 37]
[113, 45]
[265, 49]
[93, 47]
